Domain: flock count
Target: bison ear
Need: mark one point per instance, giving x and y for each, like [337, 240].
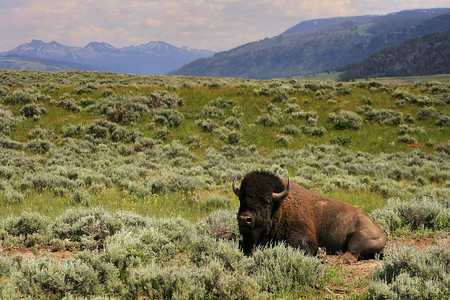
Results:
[278, 197]
[235, 188]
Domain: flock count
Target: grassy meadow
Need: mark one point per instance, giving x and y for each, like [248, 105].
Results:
[134, 173]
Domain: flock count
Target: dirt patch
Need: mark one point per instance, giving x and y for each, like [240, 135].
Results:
[37, 252]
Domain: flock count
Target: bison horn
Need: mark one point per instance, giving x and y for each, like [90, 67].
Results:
[280, 196]
[235, 188]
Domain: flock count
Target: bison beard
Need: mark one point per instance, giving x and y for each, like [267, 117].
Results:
[273, 211]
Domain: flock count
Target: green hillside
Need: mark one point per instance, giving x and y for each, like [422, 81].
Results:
[130, 177]
[427, 55]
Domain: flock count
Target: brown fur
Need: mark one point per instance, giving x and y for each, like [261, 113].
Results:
[303, 219]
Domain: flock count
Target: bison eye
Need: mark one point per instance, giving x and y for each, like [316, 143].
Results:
[265, 201]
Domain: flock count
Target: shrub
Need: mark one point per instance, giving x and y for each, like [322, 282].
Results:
[87, 227]
[7, 120]
[69, 104]
[212, 112]
[405, 129]
[21, 97]
[222, 103]
[38, 146]
[341, 140]
[283, 140]
[170, 116]
[233, 123]
[345, 120]
[407, 139]
[443, 121]
[28, 229]
[73, 131]
[426, 113]
[313, 130]
[267, 120]
[40, 133]
[384, 116]
[283, 269]
[305, 115]
[32, 110]
[206, 125]
[165, 99]
[234, 137]
[409, 273]
[291, 129]
[367, 101]
[404, 94]
[422, 212]
[220, 224]
[81, 197]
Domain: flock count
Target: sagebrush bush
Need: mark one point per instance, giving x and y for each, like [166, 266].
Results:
[417, 213]
[427, 113]
[206, 125]
[32, 110]
[28, 229]
[22, 96]
[222, 103]
[7, 120]
[282, 269]
[211, 112]
[283, 139]
[87, 227]
[168, 116]
[267, 120]
[81, 197]
[38, 146]
[410, 273]
[383, 116]
[407, 139]
[345, 120]
[442, 121]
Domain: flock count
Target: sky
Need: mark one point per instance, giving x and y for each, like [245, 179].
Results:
[216, 25]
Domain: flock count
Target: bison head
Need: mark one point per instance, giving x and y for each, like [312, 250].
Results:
[260, 195]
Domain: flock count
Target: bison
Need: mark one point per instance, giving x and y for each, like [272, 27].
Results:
[274, 210]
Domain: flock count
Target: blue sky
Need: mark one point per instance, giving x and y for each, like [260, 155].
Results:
[215, 25]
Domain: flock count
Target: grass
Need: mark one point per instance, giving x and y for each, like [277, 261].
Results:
[412, 79]
[320, 76]
[191, 206]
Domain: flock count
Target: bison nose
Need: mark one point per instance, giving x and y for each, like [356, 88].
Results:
[245, 220]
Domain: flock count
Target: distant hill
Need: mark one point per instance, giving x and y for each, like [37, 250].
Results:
[12, 62]
[427, 55]
[319, 45]
[153, 58]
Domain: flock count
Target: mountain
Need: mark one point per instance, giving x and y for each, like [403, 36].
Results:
[427, 55]
[153, 58]
[319, 45]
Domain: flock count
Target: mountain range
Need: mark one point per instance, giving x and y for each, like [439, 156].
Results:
[153, 58]
[364, 46]
[320, 45]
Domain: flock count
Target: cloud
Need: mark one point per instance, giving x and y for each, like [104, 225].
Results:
[212, 24]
